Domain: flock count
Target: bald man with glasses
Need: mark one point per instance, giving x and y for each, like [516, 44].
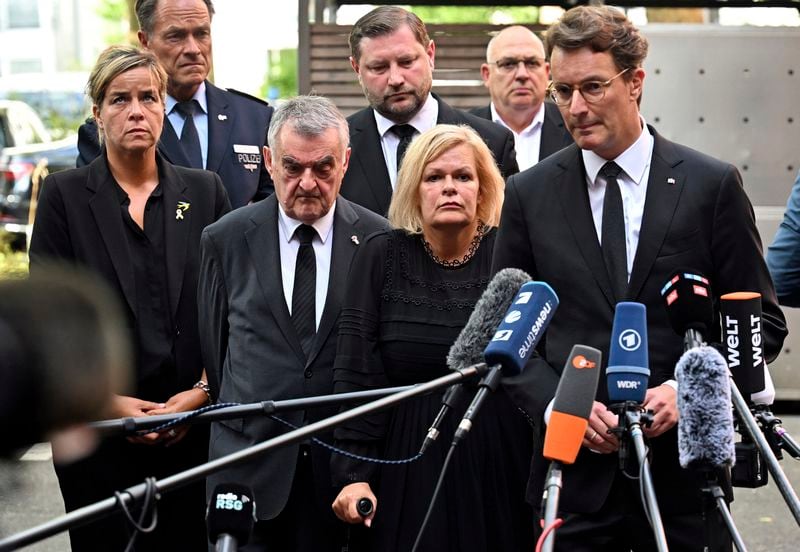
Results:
[609, 219]
[516, 75]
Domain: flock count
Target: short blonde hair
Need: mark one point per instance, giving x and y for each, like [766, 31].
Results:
[405, 211]
[115, 60]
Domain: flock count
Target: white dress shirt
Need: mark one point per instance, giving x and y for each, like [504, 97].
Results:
[323, 246]
[200, 119]
[425, 119]
[635, 165]
[527, 143]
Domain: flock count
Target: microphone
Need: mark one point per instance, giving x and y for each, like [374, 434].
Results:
[740, 315]
[230, 516]
[572, 404]
[515, 339]
[467, 350]
[64, 352]
[687, 296]
[628, 366]
[705, 426]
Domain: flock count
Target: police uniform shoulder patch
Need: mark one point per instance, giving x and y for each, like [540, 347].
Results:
[248, 96]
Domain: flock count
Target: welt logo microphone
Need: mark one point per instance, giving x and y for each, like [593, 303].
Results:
[740, 314]
[628, 363]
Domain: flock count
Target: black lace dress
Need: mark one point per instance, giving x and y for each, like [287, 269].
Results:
[402, 313]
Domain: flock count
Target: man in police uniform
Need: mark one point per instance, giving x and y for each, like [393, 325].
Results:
[209, 128]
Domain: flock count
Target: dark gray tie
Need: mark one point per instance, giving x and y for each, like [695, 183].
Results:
[305, 288]
[405, 133]
[190, 140]
[613, 231]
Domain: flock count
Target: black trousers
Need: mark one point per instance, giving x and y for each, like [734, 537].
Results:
[118, 464]
[621, 525]
[306, 524]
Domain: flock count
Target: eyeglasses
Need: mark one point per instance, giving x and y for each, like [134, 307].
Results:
[592, 91]
[509, 65]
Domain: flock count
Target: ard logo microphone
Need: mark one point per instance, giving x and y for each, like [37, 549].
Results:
[628, 367]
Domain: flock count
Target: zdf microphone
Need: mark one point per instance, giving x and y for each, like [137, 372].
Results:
[572, 404]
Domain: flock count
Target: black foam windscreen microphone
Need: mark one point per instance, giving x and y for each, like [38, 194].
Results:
[572, 404]
[705, 417]
[740, 316]
[467, 350]
[687, 297]
[523, 325]
[628, 368]
[231, 513]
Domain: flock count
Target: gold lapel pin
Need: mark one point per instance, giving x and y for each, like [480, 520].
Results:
[183, 206]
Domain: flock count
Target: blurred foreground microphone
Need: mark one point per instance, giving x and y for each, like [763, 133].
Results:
[628, 364]
[230, 517]
[687, 296]
[516, 337]
[467, 350]
[705, 416]
[572, 404]
[741, 327]
[64, 351]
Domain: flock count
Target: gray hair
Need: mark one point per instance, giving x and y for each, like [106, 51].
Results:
[146, 9]
[309, 116]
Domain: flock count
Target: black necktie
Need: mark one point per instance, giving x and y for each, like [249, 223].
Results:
[405, 133]
[190, 140]
[613, 231]
[305, 288]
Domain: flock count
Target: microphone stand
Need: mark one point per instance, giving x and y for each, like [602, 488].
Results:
[553, 486]
[226, 543]
[103, 508]
[129, 425]
[719, 497]
[631, 418]
[694, 339]
[778, 438]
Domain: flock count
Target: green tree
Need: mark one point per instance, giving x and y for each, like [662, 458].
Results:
[282, 74]
[120, 18]
[477, 14]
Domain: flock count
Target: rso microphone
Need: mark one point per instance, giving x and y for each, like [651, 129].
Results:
[230, 516]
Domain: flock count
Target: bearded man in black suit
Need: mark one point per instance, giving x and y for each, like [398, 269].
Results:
[393, 56]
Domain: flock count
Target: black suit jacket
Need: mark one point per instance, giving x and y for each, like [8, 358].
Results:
[233, 119]
[555, 135]
[250, 346]
[78, 220]
[696, 215]
[367, 179]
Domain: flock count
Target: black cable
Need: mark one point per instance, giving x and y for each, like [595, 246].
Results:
[433, 498]
[149, 501]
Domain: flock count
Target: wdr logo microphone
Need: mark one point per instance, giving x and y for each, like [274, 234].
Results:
[628, 367]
